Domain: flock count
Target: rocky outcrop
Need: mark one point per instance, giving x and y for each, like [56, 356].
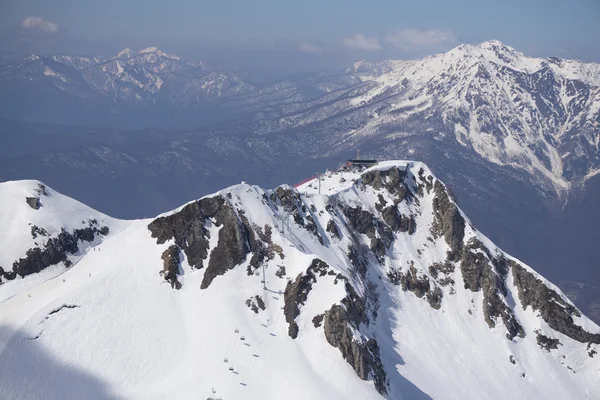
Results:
[547, 343]
[256, 303]
[170, 269]
[55, 250]
[391, 179]
[34, 202]
[553, 309]
[296, 293]
[333, 229]
[380, 235]
[448, 222]
[236, 239]
[419, 285]
[36, 230]
[341, 323]
[187, 228]
[482, 271]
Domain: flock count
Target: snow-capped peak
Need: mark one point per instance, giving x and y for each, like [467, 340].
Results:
[125, 53]
[158, 52]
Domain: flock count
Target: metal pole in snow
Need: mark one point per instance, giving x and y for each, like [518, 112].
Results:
[319, 177]
[264, 279]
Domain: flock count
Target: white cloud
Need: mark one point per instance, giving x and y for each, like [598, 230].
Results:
[361, 42]
[414, 39]
[39, 23]
[308, 47]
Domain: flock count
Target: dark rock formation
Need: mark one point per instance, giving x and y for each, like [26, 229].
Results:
[552, 307]
[318, 320]
[434, 298]
[364, 222]
[446, 268]
[341, 322]
[547, 343]
[391, 179]
[333, 229]
[236, 240]
[478, 274]
[36, 230]
[55, 250]
[280, 271]
[187, 228]
[34, 202]
[296, 293]
[256, 303]
[170, 269]
[410, 281]
[447, 221]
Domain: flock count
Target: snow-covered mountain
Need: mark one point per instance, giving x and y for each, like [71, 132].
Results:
[501, 128]
[361, 285]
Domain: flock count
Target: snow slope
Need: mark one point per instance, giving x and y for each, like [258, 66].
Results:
[114, 326]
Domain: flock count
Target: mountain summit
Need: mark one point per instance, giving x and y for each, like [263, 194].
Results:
[368, 285]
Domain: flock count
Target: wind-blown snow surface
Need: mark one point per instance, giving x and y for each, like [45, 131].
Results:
[128, 333]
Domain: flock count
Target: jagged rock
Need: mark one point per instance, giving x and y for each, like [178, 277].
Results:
[552, 307]
[445, 268]
[410, 281]
[236, 240]
[318, 320]
[296, 293]
[361, 221]
[280, 272]
[407, 224]
[55, 250]
[434, 297]
[357, 260]
[547, 343]
[256, 303]
[391, 179]
[341, 323]
[34, 202]
[170, 269]
[36, 230]
[478, 274]
[448, 222]
[186, 227]
[333, 229]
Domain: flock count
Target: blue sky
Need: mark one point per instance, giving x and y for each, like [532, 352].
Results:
[337, 29]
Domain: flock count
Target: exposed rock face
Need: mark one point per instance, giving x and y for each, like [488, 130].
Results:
[34, 202]
[187, 228]
[364, 222]
[333, 229]
[170, 269]
[419, 285]
[55, 250]
[341, 324]
[296, 293]
[448, 222]
[547, 343]
[36, 230]
[256, 303]
[551, 306]
[392, 179]
[236, 239]
[478, 274]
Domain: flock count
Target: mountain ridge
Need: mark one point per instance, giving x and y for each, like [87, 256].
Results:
[368, 283]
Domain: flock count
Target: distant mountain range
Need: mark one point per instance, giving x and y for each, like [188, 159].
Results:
[508, 133]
